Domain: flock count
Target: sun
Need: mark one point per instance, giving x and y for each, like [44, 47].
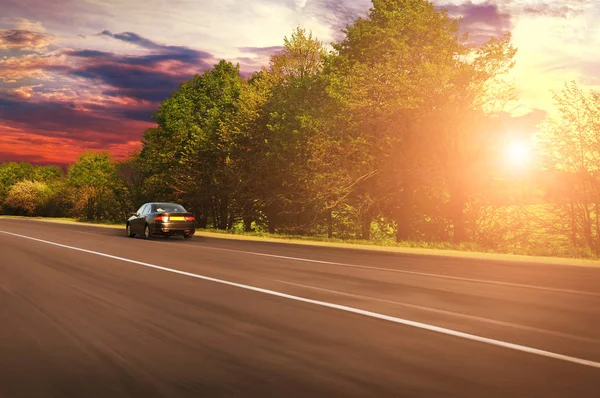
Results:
[518, 154]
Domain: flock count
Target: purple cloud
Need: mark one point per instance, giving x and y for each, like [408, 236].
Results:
[481, 21]
[163, 52]
[65, 120]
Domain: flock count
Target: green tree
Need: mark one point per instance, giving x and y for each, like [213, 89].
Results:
[465, 128]
[11, 173]
[419, 94]
[97, 190]
[291, 127]
[570, 149]
[28, 197]
[392, 68]
[189, 154]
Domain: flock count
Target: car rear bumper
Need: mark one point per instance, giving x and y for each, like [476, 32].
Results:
[174, 228]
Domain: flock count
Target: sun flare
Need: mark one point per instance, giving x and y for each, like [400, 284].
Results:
[518, 154]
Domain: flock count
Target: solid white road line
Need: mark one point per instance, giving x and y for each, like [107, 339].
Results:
[447, 313]
[370, 314]
[401, 271]
[431, 275]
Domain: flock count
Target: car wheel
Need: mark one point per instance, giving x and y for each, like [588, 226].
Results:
[186, 236]
[147, 234]
[129, 233]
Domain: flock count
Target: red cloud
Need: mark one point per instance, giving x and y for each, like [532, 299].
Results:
[17, 145]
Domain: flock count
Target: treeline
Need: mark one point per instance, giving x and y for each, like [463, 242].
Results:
[392, 134]
[392, 126]
[92, 189]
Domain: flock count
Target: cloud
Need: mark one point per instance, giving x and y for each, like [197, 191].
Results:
[482, 21]
[338, 14]
[268, 51]
[28, 66]
[300, 4]
[150, 77]
[163, 52]
[22, 157]
[122, 79]
[23, 40]
[68, 120]
[31, 147]
[522, 126]
[552, 10]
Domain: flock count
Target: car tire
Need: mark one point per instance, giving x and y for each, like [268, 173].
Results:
[147, 234]
[187, 236]
[128, 231]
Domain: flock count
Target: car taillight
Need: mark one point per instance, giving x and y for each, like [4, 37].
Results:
[189, 218]
[162, 218]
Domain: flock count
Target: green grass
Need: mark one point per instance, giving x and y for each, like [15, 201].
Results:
[540, 254]
[64, 220]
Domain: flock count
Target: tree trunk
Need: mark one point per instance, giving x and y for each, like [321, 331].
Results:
[329, 224]
[404, 217]
[458, 200]
[458, 218]
[573, 224]
[247, 224]
[271, 214]
[224, 213]
[586, 218]
[215, 218]
[366, 228]
[90, 209]
[597, 248]
[223, 219]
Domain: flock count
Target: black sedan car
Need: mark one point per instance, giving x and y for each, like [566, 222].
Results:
[165, 219]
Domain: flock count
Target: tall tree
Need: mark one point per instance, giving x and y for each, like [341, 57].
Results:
[98, 191]
[191, 147]
[570, 149]
[465, 127]
[393, 66]
[293, 126]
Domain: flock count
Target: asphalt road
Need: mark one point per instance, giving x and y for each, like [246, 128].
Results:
[88, 312]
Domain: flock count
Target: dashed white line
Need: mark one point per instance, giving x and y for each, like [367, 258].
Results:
[375, 315]
[401, 271]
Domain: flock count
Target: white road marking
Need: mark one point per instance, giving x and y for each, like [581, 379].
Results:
[401, 271]
[375, 315]
[448, 313]
[440, 276]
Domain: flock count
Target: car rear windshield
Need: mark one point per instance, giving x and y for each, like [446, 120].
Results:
[168, 208]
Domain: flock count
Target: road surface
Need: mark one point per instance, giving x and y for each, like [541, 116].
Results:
[88, 312]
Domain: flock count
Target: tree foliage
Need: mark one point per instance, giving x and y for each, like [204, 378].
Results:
[570, 149]
[28, 197]
[97, 190]
[393, 132]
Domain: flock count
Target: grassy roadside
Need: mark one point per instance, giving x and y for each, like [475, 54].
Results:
[466, 251]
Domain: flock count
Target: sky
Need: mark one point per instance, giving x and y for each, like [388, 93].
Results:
[77, 75]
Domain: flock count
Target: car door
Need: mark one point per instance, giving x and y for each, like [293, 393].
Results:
[138, 223]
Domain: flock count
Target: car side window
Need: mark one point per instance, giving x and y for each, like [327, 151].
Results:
[140, 210]
[144, 210]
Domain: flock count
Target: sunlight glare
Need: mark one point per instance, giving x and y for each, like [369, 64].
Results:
[518, 154]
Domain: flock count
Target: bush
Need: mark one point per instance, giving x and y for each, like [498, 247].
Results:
[28, 197]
